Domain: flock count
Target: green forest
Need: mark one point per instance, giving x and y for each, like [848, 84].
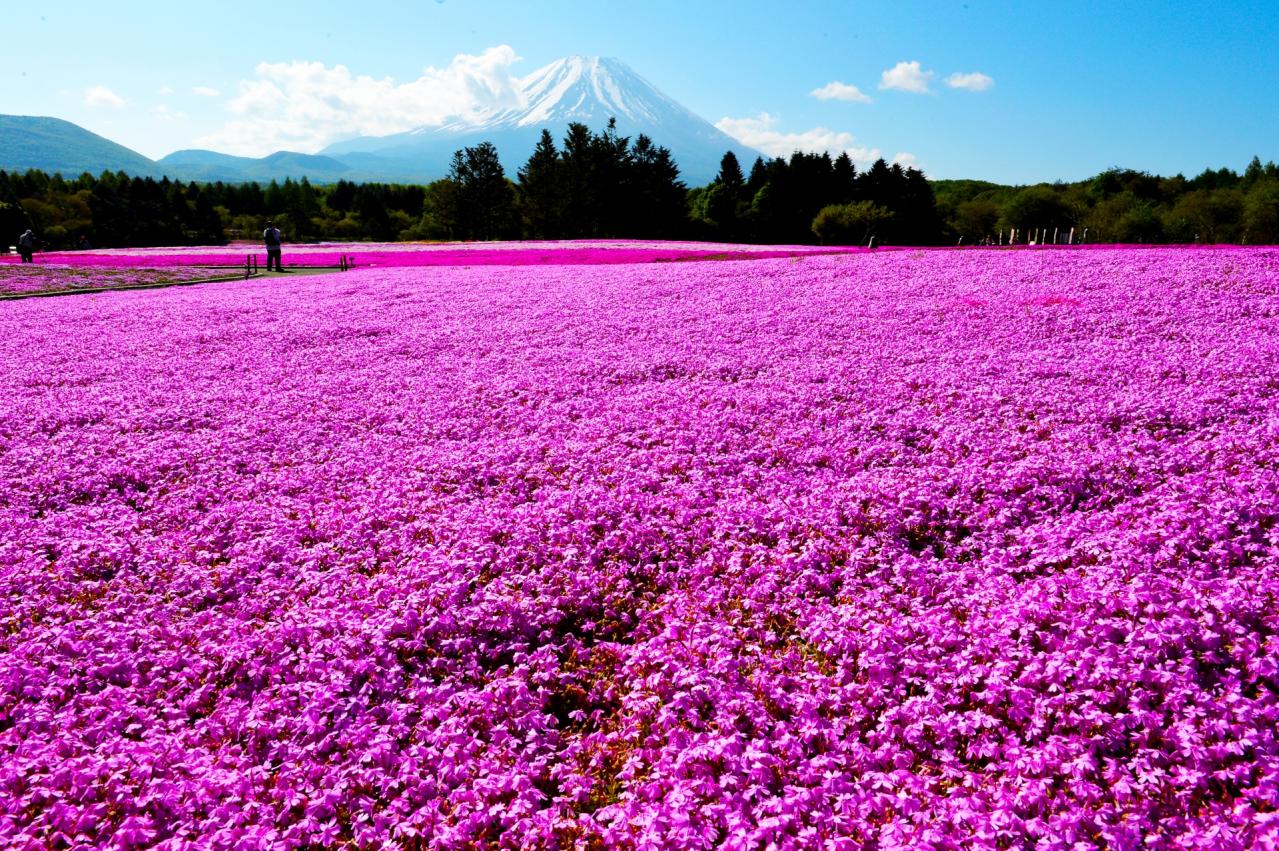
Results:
[1123, 206]
[602, 185]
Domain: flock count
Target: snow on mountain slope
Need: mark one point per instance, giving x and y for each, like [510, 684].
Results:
[588, 90]
[580, 86]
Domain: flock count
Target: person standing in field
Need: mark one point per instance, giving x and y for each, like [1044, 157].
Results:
[271, 236]
[27, 245]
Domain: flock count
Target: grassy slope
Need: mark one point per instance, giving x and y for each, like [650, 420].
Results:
[54, 145]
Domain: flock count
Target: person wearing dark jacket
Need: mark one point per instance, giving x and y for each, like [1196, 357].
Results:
[27, 245]
[271, 236]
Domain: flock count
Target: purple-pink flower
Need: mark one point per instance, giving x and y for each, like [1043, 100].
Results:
[905, 549]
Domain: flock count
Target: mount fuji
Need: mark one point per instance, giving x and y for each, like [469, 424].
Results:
[587, 90]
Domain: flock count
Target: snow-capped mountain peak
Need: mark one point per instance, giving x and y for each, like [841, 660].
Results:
[588, 90]
[584, 86]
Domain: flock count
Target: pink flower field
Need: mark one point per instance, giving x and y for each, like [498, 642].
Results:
[24, 278]
[910, 549]
[382, 255]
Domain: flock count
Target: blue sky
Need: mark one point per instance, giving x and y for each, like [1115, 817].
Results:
[1066, 89]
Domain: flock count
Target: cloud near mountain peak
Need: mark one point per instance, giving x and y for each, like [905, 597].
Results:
[304, 105]
[760, 132]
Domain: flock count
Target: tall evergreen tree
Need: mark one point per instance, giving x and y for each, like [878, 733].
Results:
[485, 201]
[724, 203]
[611, 173]
[844, 177]
[656, 207]
[577, 160]
[541, 190]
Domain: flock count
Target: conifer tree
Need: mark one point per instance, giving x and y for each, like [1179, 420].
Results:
[656, 206]
[725, 199]
[485, 201]
[577, 160]
[845, 179]
[541, 193]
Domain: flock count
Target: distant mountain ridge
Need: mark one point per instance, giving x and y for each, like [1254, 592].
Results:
[586, 90]
[195, 164]
[56, 146]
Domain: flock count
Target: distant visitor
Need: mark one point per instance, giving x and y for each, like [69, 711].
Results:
[27, 245]
[271, 236]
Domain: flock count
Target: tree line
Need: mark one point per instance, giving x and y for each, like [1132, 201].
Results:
[814, 198]
[599, 185]
[602, 185]
[116, 210]
[1122, 206]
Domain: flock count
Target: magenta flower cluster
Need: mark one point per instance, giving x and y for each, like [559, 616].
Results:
[382, 255]
[25, 278]
[920, 549]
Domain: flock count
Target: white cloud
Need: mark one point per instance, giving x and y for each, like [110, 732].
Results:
[307, 105]
[206, 92]
[166, 90]
[906, 159]
[907, 77]
[102, 96]
[973, 82]
[168, 116]
[762, 134]
[836, 90]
